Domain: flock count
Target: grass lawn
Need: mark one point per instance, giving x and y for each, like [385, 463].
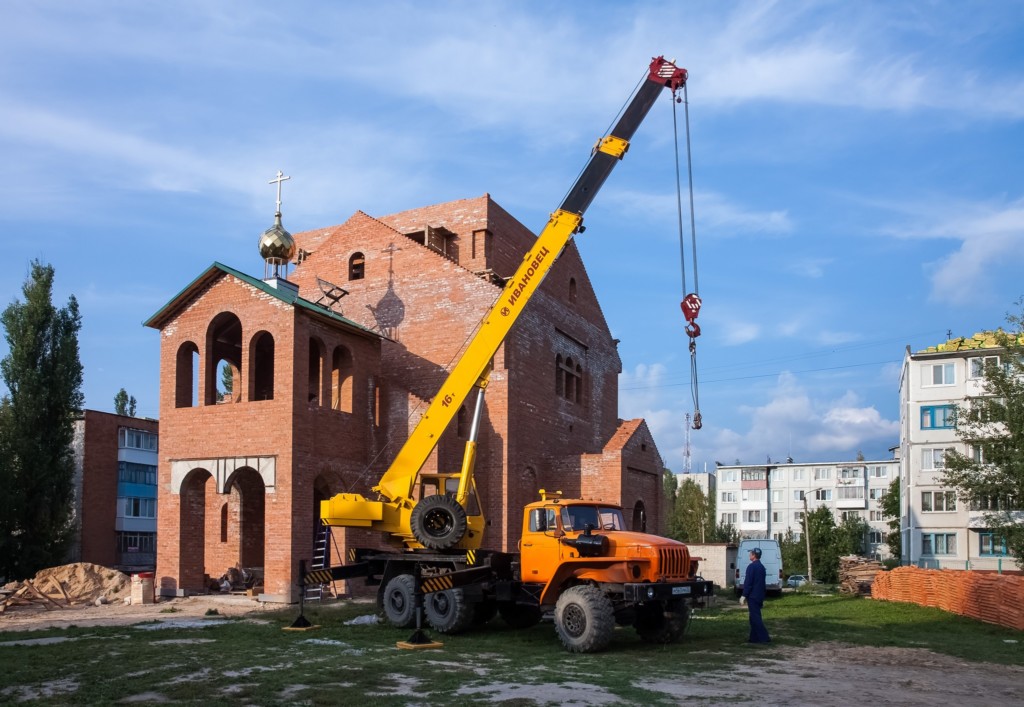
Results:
[256, 662]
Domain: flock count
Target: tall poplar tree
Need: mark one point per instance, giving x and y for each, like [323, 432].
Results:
[43, 376]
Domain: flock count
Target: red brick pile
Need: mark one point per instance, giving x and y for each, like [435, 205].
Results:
[993, 598]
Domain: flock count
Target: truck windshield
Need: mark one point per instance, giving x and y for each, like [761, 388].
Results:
[578, 517]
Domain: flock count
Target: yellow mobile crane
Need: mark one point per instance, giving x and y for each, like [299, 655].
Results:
[440, 511]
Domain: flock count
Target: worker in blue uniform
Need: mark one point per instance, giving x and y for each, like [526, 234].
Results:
[753, 597]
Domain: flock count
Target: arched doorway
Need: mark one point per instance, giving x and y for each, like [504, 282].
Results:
[639, 517]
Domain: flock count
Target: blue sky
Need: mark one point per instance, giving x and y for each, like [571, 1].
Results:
[857, 176]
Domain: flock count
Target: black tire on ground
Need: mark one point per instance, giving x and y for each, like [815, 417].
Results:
[438, 522]
[656, 623]
[484, 611]
[519, 615]
[397, 602]
[448, 611]
[584, 619]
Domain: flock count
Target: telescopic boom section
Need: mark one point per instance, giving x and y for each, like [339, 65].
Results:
[397, 483]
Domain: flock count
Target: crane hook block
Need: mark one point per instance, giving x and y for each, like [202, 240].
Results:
[691, 307]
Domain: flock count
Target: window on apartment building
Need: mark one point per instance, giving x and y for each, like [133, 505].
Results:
[978, 453]
[776, 517]
[776, 496]
[128, 438]
[938, 543]
[876, 494]
[938, 374]
[991, 544]
[730, 476]
[798, 495]
[798, 474]
[357, 266]
[850, 515]
[933, 458]
[823, 494]
[778, 475]
[754, 494]
[798, 517]
[876, 515]
[751, 516]
[728, 497]
[140, 507]
[822, 473]
[976, 366]
[136, 542]
[936, 501]
[851, 473]
[131, 473]
[876, 537]
[878, 472]
[728, 519]
[850, 492]
[986, 409]
[938, 417]
[753, 475]
[994, 503]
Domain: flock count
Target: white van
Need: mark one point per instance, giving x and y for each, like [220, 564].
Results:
[771, 558]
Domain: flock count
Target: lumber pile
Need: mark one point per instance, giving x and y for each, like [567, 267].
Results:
[57, 588]
[856, 574]
[985, 596]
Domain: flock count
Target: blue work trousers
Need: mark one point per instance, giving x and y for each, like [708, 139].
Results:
[758, 633]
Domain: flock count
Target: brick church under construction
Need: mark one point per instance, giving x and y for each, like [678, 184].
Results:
[332, 364]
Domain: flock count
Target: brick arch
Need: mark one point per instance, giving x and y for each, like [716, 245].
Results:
[342, 379]
[261, 366]
[223, 343]
[315, 372]
[192, 523]
[186, 370]
[639, 522]
[246, 521]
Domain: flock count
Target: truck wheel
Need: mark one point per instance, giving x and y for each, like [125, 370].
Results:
[519, 615]
[448, 611]
[438, 522]
[397, 602]
[656, 623]
[584, 619]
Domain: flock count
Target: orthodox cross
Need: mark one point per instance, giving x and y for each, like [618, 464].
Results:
[391, 250]
[280, 178]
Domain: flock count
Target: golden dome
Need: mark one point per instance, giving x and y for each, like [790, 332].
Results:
[276, 244]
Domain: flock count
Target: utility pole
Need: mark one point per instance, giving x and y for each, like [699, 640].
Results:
[807, 540]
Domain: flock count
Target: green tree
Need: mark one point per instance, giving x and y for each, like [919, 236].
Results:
[991, 477]
[124, 404]
[43, 376]
[794, 553]
[691, 514]
[227, 378]
[891, 510]
[821, 526]
[850, 537]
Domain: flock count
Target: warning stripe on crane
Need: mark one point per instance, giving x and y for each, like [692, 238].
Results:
[437, 584]
[318, 577]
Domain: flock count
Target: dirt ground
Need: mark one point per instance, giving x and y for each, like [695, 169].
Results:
[816, 674]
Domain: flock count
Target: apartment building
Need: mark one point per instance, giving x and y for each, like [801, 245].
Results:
[938, 529]
[115, 491]
[769, 501]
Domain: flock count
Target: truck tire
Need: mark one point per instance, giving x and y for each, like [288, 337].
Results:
[656, 623]
[438, 522]
[519, 615]
[584, 619]
[448, 611]
[397, 601]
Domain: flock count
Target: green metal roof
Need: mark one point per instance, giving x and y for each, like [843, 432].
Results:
[218, 270]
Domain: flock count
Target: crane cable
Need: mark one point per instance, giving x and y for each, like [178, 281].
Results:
[691, 300]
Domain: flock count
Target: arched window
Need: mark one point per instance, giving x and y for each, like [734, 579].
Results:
[223, 345]
[578, 384]
[341, 379]
[570, 379]
[261, 358]
[572, 290]
[639, 517]
[559, 377]
[186, 372]
[356, 267]
[316, 371]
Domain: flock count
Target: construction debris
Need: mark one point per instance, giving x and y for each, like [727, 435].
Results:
[857, 574]
[56, 588]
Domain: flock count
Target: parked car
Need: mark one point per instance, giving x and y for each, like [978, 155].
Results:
[796, 580]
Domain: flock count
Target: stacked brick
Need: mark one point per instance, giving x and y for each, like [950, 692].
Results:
[992, 598]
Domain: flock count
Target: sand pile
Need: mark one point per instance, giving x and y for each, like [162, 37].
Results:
[81, 582]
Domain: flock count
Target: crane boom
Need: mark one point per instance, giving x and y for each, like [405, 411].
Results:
[396, 486]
